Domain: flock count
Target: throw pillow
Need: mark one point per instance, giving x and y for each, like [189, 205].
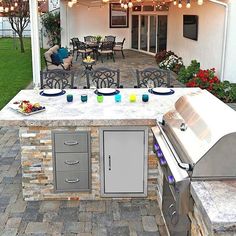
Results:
[56, 59]
[63, 53]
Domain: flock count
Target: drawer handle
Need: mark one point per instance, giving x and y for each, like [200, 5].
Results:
[72, 181]
[71, 162]
[71, 143]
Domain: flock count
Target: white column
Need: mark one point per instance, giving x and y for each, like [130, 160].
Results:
[34, 25]
[230, 68]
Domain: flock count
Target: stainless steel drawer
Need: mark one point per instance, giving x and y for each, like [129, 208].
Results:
[71, 161]
[72, 180]
[71, 142]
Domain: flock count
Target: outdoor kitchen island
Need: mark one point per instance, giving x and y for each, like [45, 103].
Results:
[91, 118]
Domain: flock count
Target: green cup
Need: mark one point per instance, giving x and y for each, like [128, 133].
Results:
[100, 98]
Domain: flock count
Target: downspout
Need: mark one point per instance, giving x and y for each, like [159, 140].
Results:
[224, 36]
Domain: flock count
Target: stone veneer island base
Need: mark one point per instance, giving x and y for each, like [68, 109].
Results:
[37, 165]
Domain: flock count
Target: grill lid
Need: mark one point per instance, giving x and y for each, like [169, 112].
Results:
[199, 122]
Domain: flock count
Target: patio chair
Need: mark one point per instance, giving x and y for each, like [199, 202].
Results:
[119, 47]
[60, 79]
[110, 38]
[106, 48]
[89, 38]
[74, 42]
[104, 78]
[83, 49]
[158, 77]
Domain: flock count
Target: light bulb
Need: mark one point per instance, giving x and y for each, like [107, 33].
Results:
[139, 0]
[16, 4]
[188, 5]
[6, 9]
[70, 4]
[122, 4]
[74, 1]
[199, 2]
[125, 6]
[105, 1]
[180, 5]
[1, 9]
[12, 8]
[175, 2]
[130, 4]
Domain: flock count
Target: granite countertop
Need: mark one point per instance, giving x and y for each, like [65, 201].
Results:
[216, 201]
[61, 113]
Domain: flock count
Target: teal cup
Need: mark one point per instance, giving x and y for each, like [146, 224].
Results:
[84, 98]
[69, 98]
[145, 97]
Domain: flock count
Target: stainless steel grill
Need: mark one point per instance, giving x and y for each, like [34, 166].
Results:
[195, 141]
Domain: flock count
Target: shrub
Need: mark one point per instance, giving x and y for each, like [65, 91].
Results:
[51, 23]
[161, 56]
[173, 62]
[205, 79]
[186, 74]
[225, 91]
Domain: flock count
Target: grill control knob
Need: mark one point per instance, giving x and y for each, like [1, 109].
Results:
[163, 161]
[171, 179]
[156, 147]
[160, 154]
[183, 127]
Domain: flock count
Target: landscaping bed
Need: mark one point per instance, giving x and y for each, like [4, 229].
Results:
[194, 76]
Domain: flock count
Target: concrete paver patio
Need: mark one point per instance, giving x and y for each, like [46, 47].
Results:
[110, 217]
[133, 60]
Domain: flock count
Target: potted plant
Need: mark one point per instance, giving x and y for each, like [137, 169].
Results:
[98, 38]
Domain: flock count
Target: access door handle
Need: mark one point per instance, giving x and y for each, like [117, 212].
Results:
[109, 160]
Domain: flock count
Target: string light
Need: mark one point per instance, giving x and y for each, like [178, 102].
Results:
[180, 4]
[130, 4]
[199, 2]
[188, 5]
[70, 4]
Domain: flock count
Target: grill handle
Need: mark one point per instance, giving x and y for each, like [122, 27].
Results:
[182, 165]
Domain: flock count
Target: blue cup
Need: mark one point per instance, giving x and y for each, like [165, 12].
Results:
[117, 98]
[84, 98]
[145, 97]
[69, 98]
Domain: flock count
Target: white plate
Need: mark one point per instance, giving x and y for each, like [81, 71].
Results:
[52, 91]
[106, 90]
[161, 90]
[17, 108]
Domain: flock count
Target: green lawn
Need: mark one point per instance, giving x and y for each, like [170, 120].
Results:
[15, 68]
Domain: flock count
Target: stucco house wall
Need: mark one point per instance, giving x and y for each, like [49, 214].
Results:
[208, 48]
[80, 21]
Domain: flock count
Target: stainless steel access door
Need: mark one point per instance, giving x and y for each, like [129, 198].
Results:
[124, 162]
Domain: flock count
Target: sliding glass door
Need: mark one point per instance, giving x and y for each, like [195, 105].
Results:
[152, 34]
[143, 33]
[149, 32]
[135, 29]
